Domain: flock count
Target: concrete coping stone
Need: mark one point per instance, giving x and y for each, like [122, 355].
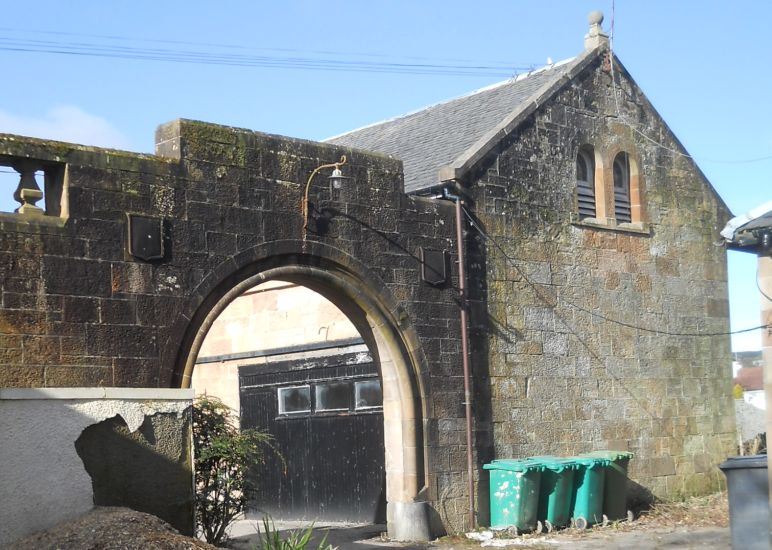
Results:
[156, 394]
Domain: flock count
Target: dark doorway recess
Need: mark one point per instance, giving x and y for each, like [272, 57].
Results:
[326, 416]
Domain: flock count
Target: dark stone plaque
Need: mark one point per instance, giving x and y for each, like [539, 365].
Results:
[434, 266]
[146, 237]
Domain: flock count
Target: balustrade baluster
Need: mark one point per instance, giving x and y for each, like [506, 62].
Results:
[28, 192]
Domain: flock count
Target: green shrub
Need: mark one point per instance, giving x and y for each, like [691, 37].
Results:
[223, 457]
[270, 539]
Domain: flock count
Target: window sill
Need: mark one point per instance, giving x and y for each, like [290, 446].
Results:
[610, 224]
[327, 414]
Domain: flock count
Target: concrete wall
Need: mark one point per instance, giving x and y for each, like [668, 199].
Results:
[756, 398]
[750, 417]
[765, 284]
[66, 449]
[557, 352]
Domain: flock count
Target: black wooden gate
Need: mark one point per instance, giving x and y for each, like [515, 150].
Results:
[326, 416]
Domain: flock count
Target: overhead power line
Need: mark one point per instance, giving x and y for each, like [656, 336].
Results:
[221, 54]
[207, 53]
[209, 45]
[560, 301]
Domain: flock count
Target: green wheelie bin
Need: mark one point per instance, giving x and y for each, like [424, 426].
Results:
[587, 491]
[514, 488]
[615, 485]
[557, 479]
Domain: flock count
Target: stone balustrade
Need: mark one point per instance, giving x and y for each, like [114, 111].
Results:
[28, 192]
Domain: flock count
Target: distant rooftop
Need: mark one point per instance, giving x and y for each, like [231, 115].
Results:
[749, 358]
[750, 378]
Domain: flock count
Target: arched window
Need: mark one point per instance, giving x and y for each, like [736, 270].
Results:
[622, 210]
[585, 183]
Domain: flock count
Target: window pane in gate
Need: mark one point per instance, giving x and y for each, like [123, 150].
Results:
[296, 399]
[367, 394]
[333, 396]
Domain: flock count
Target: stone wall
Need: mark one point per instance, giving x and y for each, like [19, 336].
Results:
[585, 329]
[80, 310]
[66, 450]
[276, 315]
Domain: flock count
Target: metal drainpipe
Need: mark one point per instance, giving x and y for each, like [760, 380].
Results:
[464, 350]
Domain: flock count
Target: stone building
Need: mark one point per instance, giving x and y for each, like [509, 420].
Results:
[597, 299]
[273, 322]
[592, 267]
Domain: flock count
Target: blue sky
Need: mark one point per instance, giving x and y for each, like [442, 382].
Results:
[704, 66]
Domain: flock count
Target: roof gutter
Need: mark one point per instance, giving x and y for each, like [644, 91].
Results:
[443, 190]
[751, 232]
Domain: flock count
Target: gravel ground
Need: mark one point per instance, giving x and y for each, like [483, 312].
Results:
[106, 528]
[700, 522]
[696, 523]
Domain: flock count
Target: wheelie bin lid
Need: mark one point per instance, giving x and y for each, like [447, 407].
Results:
[555, 463]
[613, 456]
[591, 461]
[514, 465]
[741, 462]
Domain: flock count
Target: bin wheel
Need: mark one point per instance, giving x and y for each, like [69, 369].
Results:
[630, 515]
[580, 523]
[605, 521]
[548, 526]
[539, 527]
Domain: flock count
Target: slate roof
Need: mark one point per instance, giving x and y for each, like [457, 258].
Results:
[432, 138]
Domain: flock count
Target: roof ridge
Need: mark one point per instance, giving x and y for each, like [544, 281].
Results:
[511, 80]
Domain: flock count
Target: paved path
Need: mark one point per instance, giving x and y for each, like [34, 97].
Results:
[367, 537]
[345, 536]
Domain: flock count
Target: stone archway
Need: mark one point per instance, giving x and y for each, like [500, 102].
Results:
[383, 325]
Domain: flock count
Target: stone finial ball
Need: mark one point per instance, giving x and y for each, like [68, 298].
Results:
[595, 17]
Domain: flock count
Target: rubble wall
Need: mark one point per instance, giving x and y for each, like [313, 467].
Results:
[591, 333]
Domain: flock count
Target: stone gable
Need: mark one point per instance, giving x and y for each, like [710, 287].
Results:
[557, 305]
